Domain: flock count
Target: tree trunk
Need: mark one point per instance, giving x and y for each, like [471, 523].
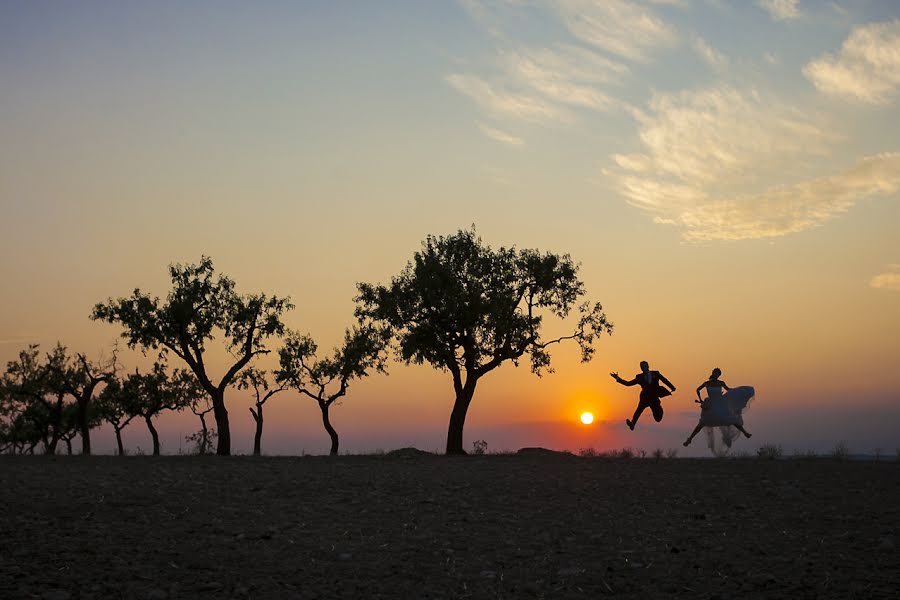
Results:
[50, 447]
[224, 446]
[331, 432]
[153, 434]
[257, 439]
[204, 435]
[119, 441]
[458, 418]
[69, 446]
[83, 426]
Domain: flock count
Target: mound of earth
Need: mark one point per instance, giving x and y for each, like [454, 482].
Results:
[407, 453]
[543, 452]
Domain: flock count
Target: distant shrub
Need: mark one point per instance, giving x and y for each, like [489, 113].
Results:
[671, 453]
[202, 443]
[588, 453]
[625, 453]
[877, 454]
[658, 454]
[480, 446]
[805, 454]
[840, 451]
[769, 451]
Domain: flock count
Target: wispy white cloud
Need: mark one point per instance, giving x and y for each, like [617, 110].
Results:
[887, 281]
[722, 133]
[623, 28]
[866, 69]
[702, 149]
[788, 209]
[501, 102]
[16, 340]
[566, 74]
[771, 58]
[715, 59]
[781, 10]
[501, 136]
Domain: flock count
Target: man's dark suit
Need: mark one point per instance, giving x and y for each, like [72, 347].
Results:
[651, 392]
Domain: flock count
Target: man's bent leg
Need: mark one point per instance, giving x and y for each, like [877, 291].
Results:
[637, 413]
[657, 409]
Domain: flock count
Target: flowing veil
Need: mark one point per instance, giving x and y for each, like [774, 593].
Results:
[720, 437]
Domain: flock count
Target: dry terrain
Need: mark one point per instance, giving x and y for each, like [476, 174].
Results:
[537, 525]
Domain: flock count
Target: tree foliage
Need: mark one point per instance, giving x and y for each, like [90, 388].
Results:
[466, 308]
[327, 379]
[36, 397]
[200, 306]
[257, 380]
[148, 394]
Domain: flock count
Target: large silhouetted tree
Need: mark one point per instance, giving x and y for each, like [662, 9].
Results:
[198, 306]
[466, 308]
[255, 379]
[326, 380]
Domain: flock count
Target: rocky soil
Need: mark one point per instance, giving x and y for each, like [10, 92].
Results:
[412, 525]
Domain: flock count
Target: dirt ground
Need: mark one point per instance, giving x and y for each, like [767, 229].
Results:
[497, 526]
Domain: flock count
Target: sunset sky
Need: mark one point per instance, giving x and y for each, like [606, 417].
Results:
[727, 173]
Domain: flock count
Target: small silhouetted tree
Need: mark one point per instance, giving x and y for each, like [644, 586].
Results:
[115, 405]
[201, 405]
[255, 379]
[326, 380]
[466, 308]
[151, 393]
[81, 380]
[199, 305]
[70, 425]
[37, 390]
[18, 431]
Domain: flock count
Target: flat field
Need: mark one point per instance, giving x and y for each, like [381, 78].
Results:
[421, 526]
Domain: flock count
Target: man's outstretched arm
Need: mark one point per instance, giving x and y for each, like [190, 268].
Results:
[622, 381]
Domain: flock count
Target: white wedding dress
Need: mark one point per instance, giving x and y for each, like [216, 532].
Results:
[721, 411]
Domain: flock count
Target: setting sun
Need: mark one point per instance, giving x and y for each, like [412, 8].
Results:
[587, 418]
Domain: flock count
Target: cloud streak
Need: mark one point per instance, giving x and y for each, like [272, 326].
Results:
[566, 74]
[866, 69]
[623, 28]
[712, 57]
[703, 148]
[720, 133]
[791, 209]
[501, 136]
[781, 10]
[501, 102]
[886, 281]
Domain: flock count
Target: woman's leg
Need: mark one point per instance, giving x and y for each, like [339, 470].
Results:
[742, 430]
[696, 430]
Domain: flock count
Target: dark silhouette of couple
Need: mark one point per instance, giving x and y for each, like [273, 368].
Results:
[719, 409]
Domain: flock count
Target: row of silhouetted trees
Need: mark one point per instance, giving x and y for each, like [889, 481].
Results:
[458, 305]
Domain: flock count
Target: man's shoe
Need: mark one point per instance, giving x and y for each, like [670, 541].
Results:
[630, 424]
